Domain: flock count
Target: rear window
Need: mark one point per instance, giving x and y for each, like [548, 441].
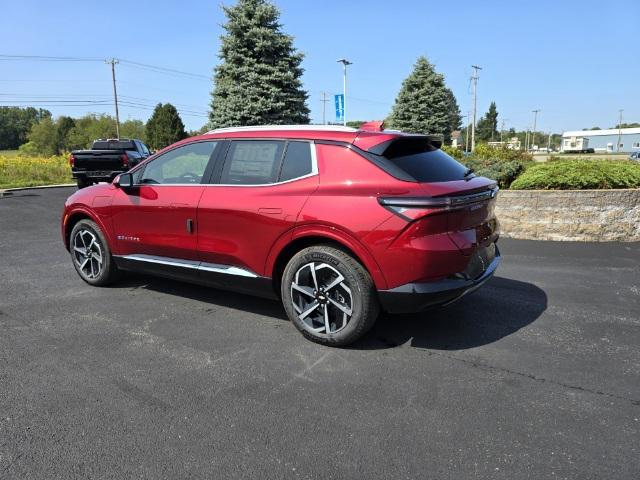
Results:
[423, 161]
[114, 145]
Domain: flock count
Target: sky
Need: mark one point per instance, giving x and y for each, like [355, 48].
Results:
[575, 61]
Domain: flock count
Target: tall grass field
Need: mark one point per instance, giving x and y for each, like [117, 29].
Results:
[26, 171]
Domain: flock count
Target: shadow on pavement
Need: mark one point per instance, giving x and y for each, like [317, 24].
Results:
[499, 308]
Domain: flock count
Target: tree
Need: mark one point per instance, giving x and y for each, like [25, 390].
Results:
[16, 123]
[89, 128]
[487, 127]
[424, 103]
[164, 127]
[133, 129]
[627, 125]
[259, 78]
[64, 125]
[43, 137]
[455, 119]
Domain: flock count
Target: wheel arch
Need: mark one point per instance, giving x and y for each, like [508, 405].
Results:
[321, 236]
[74, 217]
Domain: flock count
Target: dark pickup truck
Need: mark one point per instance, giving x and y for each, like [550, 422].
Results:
[106, 159]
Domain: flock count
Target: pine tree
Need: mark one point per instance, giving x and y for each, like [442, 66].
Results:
[164, 127]
[487, 127]
[424, 103]
[258, 80]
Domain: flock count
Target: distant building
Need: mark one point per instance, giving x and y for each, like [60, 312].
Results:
[603, 141]
[456, 139]
[512, 144]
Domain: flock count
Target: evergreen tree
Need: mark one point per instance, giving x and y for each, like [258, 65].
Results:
[487, 127]
[258, 80]
[164, 127]
[455, 119]
[424, 103]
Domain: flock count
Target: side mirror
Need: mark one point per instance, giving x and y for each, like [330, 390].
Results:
[124, 181]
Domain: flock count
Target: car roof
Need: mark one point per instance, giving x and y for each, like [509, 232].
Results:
[364, 139]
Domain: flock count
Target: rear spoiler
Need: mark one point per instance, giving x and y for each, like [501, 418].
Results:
[365, 139]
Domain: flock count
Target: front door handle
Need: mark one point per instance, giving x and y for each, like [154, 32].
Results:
[189, 225]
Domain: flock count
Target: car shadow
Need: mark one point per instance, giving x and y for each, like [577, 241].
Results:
[501, 307]
[498, 309]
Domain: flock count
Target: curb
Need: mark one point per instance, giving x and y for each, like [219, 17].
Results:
[9, 191]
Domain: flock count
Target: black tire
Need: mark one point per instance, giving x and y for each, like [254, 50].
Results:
[83, 183]
[329, 264]
[87, 236]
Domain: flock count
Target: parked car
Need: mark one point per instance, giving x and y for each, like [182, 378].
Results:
[337, 223]
[106, 159]
[635, 156]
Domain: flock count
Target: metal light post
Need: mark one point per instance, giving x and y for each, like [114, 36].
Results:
[535, 121]
[474, 79]
[344, 63]
[619, 129]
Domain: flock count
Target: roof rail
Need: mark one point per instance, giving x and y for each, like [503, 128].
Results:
[329, 128]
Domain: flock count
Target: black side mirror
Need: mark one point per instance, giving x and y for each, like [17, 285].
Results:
[124, 181]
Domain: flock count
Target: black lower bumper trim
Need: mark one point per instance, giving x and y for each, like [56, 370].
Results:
[415, 297]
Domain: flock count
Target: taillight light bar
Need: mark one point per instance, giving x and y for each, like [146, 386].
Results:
[414, 207]
[72, 161]
[125, 160]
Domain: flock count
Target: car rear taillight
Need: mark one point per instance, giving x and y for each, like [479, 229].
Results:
[125, 160]
[412, 208]
[72, 160]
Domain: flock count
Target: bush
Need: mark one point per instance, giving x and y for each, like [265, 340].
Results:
[500, 164]
[579, 175]
[454, 152]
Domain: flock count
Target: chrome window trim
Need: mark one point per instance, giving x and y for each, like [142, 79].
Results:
[192, 264]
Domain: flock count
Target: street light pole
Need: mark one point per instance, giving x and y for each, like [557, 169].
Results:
[344, 63]
[533, 134]
[474, 78]
[619, 130]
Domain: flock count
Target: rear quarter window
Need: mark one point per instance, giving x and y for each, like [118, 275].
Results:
[424, 162]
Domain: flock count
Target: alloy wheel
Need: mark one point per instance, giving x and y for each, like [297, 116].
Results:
[87, 253]
[321, 298]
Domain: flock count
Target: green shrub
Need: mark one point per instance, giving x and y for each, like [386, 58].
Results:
[579, 175]
[500, 164]
[454, 152]
[486, 152]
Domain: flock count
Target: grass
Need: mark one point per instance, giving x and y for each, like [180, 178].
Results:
[22, 171]
[579, 175]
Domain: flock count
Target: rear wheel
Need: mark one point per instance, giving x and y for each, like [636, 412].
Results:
[91, 255]
[329, 296]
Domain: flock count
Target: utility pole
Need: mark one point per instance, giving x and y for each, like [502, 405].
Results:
[474, 79]
[526, 141]
[549, 143]
[533, 134]
[466, 134]
[344, 63]
[619, 129]
[502, 128]
[324, 101]
[113, 62]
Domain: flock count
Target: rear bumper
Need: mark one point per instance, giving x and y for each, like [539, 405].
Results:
[96, 175]
[415, 297]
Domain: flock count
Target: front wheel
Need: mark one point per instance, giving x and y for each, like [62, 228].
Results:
[329, 296]
[91, 255]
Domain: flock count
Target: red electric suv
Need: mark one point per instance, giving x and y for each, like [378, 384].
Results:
[338, 223]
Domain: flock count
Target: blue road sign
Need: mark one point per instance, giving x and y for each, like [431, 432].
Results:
[339, 107]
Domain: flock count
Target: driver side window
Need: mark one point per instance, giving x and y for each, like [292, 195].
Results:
[184, 164]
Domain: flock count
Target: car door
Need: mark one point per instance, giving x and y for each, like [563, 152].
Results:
[154, 221]
[256, 195]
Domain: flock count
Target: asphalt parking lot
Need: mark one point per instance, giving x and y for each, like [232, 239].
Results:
[537, 375]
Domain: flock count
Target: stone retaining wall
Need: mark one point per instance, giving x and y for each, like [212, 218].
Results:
[580, 215]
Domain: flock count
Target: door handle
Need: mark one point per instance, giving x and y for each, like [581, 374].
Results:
[189, 225]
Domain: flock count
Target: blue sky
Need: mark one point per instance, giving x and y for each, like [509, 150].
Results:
[577, 61]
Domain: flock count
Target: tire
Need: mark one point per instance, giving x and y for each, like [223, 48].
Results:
[82, 183]
[87, 246]
[351, 290]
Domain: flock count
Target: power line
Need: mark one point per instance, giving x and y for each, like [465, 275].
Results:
[42, 58]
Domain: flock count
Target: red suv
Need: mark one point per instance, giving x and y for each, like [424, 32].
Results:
[338, 223]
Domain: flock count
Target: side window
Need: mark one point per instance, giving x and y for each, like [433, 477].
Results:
[185, 164]
[297, 161]
[145, 150]
[252, 162]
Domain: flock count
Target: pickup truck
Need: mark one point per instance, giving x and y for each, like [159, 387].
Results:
[106, 159]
